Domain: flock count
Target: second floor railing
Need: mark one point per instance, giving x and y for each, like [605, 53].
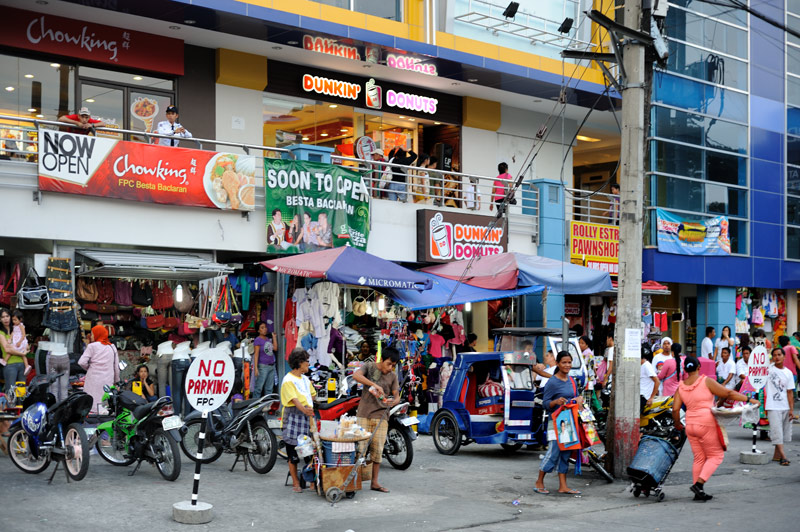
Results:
[593, 207]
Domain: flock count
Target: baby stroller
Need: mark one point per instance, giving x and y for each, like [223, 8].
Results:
[653, 462]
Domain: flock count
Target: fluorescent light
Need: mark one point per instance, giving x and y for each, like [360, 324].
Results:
[343, 130]
[89, 100]
[323, 134]
[29, 76]
[333, 106]
[467, 306]
[382, 304]
[437, 123]
[55, 65]
[137, 78]
[32, 109]
[402, 117]
[587, 139]
[39, 116]
[10, 88]
[411, 119]
[306, 138]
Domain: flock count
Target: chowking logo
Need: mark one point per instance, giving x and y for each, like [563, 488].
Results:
[70, 157]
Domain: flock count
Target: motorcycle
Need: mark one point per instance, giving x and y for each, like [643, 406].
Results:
[140, 431]
[656, 420]
[49, 431]
[241, 428]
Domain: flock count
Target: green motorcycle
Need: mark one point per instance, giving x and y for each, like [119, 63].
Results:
[140, 431]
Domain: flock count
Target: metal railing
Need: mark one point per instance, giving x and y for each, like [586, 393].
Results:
[594, 207]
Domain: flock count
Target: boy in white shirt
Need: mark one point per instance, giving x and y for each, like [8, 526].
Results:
[648, 381]
[741, 365]
[726, 369]
[779, 404]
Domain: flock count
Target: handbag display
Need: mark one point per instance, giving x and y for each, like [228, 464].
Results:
[155, 322]
[142, 294]
[171, 322]
[187, 300]
[87, 289]
[10, 288]
[222, 315]
[33, 293]
[122, 293]
[162, 296]
[236, 317]
[105, 291]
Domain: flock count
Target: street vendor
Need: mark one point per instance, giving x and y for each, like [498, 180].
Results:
[298, 406]
[372, 411]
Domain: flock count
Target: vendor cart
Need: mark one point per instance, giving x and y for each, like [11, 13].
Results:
[337, 465]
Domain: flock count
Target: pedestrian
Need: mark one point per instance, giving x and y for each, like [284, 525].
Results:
[101, 362]
[741, 366]
[147, 386]
[19, 338]
[697, 393]
[791, 360]
[452, 189]
[378, 171]
[779, 404]
[82, 120]
[501, 187]
[549, 368]
[171, 127]
[419, 180]
[648, 379]
[725, 340]
[298, 406]
[435, 188]
[397, 187]
[664, 355]
[559, 390]
[670, 372]
[726, 369]
[707, 345]
[605, 369]
[613, 205]
[265, 360]
[14, 370]
[588, 357]
[381, 392]
[471, 344]
[795, 340]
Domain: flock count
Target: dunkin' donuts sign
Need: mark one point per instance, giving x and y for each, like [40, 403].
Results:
[447, 236]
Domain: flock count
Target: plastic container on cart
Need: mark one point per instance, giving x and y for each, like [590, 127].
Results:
[337, 458]
[305, 446]
[652, 462]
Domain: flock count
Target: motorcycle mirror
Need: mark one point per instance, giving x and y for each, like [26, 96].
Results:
[122, 365]
[106, 388]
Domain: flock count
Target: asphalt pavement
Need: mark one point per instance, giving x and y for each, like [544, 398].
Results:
[482, 488]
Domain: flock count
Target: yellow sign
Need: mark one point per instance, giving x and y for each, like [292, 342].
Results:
[595, 246]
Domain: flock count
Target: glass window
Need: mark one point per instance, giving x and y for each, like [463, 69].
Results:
[708, 66]
[793, 6]
[699, 130]
[793, 210]
[793, 90]
[792, 150]
[677, 159]
[708, 33]
[793, 23]
[793, 242]
[683, 194]
[700, 97]
[727, 13]
[793, 121]
[131, 79]
[793, 180]
[519, 377]
[793, 59]
[725, 168]
[391, 9]
[738, 232]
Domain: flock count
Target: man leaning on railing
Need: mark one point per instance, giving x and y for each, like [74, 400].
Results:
[82, 120]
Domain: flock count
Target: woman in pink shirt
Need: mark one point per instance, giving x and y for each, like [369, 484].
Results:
[670, 373]
[501, 187]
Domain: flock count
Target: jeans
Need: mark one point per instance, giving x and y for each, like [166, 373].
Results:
[179, 401]
[396, 191]
[59, 364]
[13, 373]
[555, 459]
[238, 376]
[265, 382]
[164, 373]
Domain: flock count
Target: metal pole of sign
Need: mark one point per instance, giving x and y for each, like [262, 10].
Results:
[201, 438]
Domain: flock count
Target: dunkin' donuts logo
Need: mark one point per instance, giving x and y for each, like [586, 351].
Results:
[457, 241]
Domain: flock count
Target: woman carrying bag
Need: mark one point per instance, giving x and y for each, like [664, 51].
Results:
[297, 400]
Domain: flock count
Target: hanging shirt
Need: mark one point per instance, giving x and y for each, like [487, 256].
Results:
[309, 310]
[328, 295]
[437, 342]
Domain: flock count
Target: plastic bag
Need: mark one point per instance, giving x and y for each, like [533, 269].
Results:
[750, 414]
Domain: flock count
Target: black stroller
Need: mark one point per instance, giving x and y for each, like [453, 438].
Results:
[653, 462]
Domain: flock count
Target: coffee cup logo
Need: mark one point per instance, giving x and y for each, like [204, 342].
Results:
[374, 95]
[441, 238]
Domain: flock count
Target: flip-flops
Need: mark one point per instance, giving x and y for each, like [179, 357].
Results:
[380, 489]
[541, 491]
[570, 492]
[297, 489]
[784, 462]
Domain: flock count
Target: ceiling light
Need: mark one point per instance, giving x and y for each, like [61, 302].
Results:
[10, 88]
[137, 78]
[89, 100]
[39, 116]
[467, 306]
[277, 47]
[55, 65]
[29, 76]
[472, 80]
[32, 109]
[323, 134]
[293, 42]
[333, 106]
[411, 119]
[306, 138]
[455, 84]
[402, 117]
[189, 21]
[587, 139]
[343, 130]
[437, 123]
[174, 27]
[537, 101]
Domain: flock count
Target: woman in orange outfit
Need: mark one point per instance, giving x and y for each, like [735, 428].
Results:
[697, 393]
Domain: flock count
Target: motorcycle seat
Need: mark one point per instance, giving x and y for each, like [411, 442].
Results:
[239, 405]
[142, 410]
[131, 400]
[326, 406]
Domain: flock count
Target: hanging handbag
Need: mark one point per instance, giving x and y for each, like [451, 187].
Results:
[162, 296]
[105, 291]
[236, 317]
[10, 288]
[142, 294]
[106, 308]
[172, 321]
[87, 290]
[567, 424]
[122, 293]
[155, 322]
[33, 293]
[186, 301]
[222, 315]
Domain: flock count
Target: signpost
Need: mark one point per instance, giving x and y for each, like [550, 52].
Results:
[757, 374]
[209, 382]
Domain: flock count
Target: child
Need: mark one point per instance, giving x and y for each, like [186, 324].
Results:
[18, 337]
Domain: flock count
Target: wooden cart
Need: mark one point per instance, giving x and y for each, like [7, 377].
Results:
[336, 480]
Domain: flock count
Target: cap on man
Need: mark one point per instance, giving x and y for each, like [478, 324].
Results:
[82, 120]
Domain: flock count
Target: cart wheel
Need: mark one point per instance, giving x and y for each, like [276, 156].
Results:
[350, 495]
[334, 495]
[660, 497]
[637, 492]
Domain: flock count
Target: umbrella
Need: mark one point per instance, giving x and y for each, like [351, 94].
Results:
[506, 271]
[347, 265]
[442, 288]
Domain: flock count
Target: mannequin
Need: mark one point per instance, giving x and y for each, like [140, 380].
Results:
[164, 367]
[180, 364]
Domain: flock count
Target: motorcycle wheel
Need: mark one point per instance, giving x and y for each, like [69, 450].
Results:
[594, 461]
[399, 450]
[76, 458]
[446, 434]
[19, 450]
[511, 447]
[262, 459]
[115, 452]
[190, 440]
[168, 457]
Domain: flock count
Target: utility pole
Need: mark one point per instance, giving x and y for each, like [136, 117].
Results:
[623, 426]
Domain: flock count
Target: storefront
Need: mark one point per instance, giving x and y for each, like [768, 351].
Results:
[324, 108]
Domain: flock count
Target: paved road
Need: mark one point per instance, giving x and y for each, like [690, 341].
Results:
[473, 491]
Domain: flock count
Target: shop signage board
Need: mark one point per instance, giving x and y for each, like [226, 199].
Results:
[110, 168]
[313, 206]
[572, 309]
[444, 236]
[595, 246]
[681, 236]
[117, 46]
[372, 54]
[758, 367]
[209, 380]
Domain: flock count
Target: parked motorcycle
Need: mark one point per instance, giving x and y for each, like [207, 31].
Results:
[241, 428]
[140, 431]
[49, 431]
[656, 420]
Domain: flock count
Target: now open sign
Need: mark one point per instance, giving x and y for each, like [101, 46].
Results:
[209, 380]
[758, 367]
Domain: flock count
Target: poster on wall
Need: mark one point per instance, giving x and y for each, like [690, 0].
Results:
[595, 246]
[686, 237]
[110, 168]
[314, 206]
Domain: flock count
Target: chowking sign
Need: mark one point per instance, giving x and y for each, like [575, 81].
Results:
[110, 168]
[444, 236]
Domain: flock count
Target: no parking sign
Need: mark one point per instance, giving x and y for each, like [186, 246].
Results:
[758, 367]
[209, 380]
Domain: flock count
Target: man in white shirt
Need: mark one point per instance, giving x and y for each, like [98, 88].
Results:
[741, 365]
[726, 369]
[648, 381]
[707, 345]
[549, 368]
[779, 404]
[171, 127]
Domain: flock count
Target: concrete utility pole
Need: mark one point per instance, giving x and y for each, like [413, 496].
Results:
[623, 426]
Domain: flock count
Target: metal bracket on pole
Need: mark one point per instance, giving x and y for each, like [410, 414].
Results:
[37, 196]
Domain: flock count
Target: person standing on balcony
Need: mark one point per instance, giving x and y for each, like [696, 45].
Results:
[419, 180]
[613, 208]
[82, 120]
[171, 127]
[397, 188]
[501, 188]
